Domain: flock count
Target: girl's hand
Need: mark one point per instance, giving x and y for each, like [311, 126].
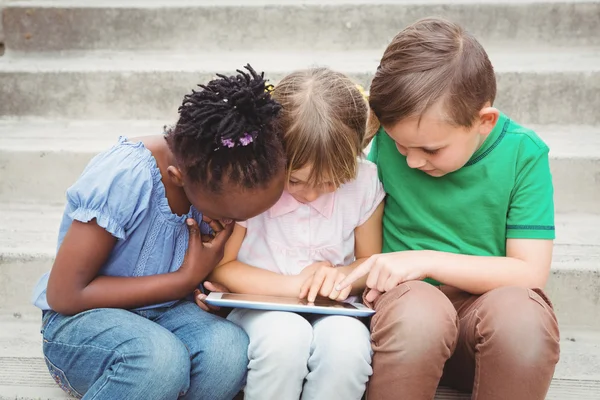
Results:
[312, 268]
[203, 254]
[322, 279]
[216, 226]
[386, 271]
[201, 297]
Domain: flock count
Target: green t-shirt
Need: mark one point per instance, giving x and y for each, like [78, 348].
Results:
[504, 191]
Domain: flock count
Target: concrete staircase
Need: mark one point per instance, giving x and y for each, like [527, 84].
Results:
[76, 75]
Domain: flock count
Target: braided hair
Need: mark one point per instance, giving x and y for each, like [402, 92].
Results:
[227, 129]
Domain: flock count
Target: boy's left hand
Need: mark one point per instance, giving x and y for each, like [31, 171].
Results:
[323, 282]
[386, 271]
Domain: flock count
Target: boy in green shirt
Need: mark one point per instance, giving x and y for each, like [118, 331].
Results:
[468, 228]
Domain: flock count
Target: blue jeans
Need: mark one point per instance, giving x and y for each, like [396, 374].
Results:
[162, 354]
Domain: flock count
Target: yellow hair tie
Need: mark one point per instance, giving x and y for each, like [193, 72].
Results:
[364, 93]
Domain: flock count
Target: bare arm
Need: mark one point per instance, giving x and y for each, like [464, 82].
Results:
[74, 285]
[244, 278]
[368, 239]
[527, 264]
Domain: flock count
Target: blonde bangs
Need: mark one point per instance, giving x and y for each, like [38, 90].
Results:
[333, 156]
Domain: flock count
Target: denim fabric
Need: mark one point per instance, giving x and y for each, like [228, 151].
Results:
[156, 354]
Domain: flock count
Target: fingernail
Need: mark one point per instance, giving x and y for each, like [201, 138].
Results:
[202, 296]
[227, 221]
[338, 287]
[189, 221]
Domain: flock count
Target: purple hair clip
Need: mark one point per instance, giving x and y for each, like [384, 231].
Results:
[245, 140]
[228, 143]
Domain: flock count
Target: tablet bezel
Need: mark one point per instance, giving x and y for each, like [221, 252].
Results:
[216, 298]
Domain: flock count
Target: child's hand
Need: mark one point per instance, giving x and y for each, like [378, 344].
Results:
[202, 256]
[386, 271]
[323, 282]
[201, 297]
[313, 268]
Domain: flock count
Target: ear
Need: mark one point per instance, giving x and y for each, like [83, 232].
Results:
[488, 116]
[175, 175]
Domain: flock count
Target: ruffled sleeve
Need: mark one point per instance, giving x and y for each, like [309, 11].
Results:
[115, 189]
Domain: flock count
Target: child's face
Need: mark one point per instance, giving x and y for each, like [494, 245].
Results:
[437, 147]
[303, 191]
[233, 202]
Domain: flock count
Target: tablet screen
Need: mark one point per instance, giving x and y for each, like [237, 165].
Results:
[320, 302]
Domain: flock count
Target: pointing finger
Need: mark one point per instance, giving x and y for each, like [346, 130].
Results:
[358, 273]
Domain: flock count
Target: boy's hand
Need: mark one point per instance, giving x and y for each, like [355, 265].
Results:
[322, 279]
[203, 256]
[386, 271]
[201, 297]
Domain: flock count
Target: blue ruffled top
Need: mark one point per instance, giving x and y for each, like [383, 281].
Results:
[122, 189]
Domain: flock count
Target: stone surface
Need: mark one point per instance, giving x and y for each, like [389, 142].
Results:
[329, 25]
[2, 47]
[542, 86]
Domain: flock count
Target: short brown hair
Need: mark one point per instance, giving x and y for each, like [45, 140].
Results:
[432, 60]
[323, 120]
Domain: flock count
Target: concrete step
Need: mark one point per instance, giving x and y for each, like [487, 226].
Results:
[2, 2]
[330, 25]
[23, 373]
[28, 241]
[59, 150]
[542, 85]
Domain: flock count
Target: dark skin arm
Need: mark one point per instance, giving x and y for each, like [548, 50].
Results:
[74, 285]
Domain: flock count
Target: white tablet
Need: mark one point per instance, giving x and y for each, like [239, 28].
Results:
[259, 302]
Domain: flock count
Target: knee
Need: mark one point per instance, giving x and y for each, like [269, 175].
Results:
[342, 343]
[223, 347]
[284, 345]
[415, 318]
[162, 361]
[520, 323]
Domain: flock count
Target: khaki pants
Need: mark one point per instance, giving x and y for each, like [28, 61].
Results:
[502, 345]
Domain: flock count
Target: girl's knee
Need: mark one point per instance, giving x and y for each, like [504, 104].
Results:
[342, 342]
[231, 337]
[222, 348]
[284, 344]
[160, 361]
[157, 350]
[234, 357]
[219, 360]
[341, 334]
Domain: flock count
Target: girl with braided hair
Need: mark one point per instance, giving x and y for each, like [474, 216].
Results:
[144, 225]
[327, 222]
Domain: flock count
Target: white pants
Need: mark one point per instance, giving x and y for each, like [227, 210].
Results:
[292, 357]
